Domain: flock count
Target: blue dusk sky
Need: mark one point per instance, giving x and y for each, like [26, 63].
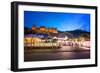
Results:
[59, 20]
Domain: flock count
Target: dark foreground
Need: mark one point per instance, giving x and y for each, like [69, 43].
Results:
[54, 54]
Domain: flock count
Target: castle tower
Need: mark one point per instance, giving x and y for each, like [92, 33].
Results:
[33, 27]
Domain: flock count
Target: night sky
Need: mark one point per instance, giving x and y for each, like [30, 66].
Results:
[61, 21]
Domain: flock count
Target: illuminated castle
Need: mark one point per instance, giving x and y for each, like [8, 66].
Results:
[42, 29]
